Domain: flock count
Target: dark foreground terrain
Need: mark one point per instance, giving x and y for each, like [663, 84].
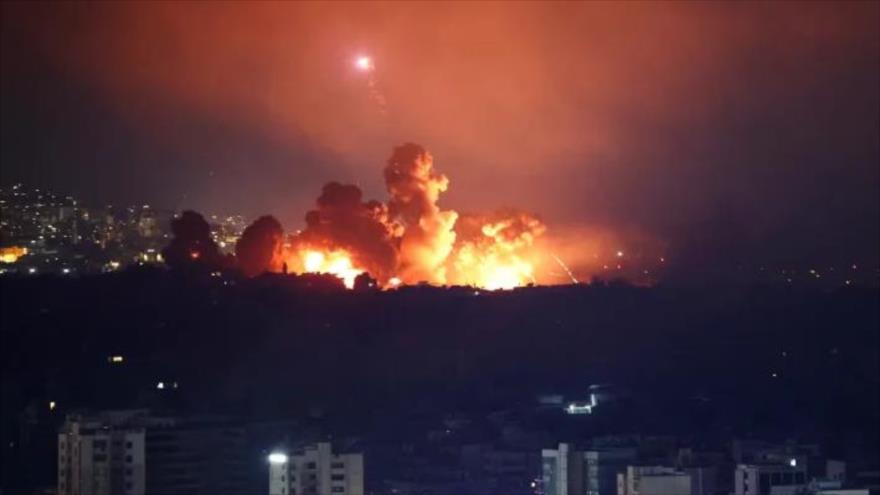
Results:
[707, 362]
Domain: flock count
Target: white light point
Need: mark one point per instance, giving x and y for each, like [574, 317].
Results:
[364, 63]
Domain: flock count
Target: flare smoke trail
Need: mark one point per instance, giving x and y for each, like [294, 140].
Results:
[365, 64]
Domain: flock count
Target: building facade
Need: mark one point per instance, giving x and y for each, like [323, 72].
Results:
[761, 479]
[316, 470]
[134, 453]
[102, 455]
[566, 471]
[654, 480]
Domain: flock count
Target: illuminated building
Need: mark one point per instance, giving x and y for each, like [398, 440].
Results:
[316, 470]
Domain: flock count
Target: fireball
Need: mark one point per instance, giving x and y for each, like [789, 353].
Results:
[334, 262]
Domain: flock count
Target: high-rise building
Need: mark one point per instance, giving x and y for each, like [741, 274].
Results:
[134, 453]
[316, 470]
[102, 455]
[566, 471]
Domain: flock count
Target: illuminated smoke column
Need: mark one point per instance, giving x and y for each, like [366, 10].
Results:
[496, 251]
[428, 234]
[410, 239]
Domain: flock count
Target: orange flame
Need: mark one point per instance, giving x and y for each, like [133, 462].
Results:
[334, 262]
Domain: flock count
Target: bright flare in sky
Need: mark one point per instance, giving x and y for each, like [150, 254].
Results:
[364, 63]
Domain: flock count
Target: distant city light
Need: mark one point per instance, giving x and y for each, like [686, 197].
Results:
[579, 408]
[116, 359]
[792, 462]
[277, 458]
[52, 405]
[32, 270]
[160, 385]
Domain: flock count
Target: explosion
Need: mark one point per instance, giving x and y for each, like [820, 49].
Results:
[410, 239]
[337, 262]
[496, 251]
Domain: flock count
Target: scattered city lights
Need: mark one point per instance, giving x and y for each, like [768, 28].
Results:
[278, 458]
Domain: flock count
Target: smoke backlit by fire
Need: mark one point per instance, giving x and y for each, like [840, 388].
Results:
[410, 239]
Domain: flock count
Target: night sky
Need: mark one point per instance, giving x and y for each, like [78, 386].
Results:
[758, 121]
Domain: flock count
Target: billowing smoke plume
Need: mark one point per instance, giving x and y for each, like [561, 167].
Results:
[410, 239]
[342, 221]
[260, 248]
[428, 234]
[494, 250]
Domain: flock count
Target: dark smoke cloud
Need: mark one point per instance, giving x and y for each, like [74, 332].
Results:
[192, 245]
[260, 248]
[342, 220]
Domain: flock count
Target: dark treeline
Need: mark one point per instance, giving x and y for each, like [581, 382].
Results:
[275, 344]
